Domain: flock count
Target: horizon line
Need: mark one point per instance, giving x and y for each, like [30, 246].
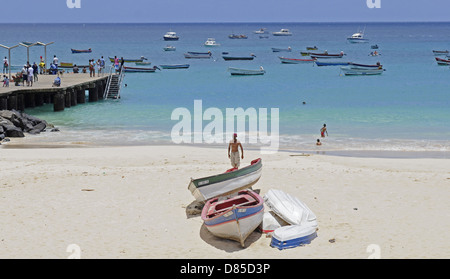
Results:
[228, 22]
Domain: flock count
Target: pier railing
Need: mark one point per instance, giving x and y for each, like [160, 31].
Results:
[114, 84]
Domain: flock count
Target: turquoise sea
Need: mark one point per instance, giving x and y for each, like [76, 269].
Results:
[407, 108]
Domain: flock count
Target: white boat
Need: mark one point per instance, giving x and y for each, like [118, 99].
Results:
[142, 63]
[211, 42]
[289, 208]
[271, 222]
[357, 71]
[282, 32]
[357, 38]
[171, 36]
[246, 72]
[261, 31]
[292, 236]
[170, 48]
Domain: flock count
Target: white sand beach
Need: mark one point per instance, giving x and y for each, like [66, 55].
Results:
[130, 202]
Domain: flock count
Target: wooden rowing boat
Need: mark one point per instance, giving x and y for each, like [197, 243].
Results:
[81, 50]
[246, 72]
[175, 66]
[140, 69]
[295, 61]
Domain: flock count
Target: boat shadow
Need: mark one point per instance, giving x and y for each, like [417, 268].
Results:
[227, 245]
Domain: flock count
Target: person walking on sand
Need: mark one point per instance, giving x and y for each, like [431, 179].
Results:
[323, 131]
[233, 146]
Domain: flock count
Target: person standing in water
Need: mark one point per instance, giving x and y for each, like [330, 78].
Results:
[233, 146]
[323, 131]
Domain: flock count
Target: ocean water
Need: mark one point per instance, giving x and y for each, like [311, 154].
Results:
[407, 108]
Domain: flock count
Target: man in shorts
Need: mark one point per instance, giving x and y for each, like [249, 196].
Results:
[233, 146]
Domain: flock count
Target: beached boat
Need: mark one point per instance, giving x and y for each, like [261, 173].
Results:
[140, 69]
[326, 55]
[129, 60]
[246, 72]
[198, 55]
[234, 36]
[357, 38]
[312, 48]
[290, 208]
[292, 236]
[81, 50]
[440, 52]
[327, 63]
[211, 42]
[170, 48]
[226, 183]
[261, 31]
[274, 49]
[442, 62]
[234, 218]
[282, 32]
[295, 61]
[171, 36]
[356, 71]
[175, 66]
[228, 58]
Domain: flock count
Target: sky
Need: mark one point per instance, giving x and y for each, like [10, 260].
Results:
[185, 11]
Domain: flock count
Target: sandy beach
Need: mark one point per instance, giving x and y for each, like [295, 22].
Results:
[130, 202]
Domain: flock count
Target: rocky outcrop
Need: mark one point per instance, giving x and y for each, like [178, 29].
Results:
[15, 124]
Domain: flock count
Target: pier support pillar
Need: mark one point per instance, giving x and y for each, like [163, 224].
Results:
[3, 103]
[73, 97]
[68, 98]
[12, 102]
[93, 93]
[20, 102]
[47, 98]
[100, 90]
[81, 95]
[29, 100]
[39, 100]
[59, 101]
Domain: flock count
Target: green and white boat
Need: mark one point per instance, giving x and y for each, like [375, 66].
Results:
[233, 180]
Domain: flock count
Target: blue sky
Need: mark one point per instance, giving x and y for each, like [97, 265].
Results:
[144, 11]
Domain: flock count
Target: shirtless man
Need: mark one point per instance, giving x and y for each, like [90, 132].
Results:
[234, 156]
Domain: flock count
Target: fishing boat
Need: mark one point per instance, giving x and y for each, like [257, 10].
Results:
[142, 63]
[81, 50]
[274, 49]
[171, 36]
[234, 36]
[326, 55]
[170, 48]
[374, 47]
[355, 71]
[263, 36]
[234, 218]
[363, 66]
[233, 180]
[312, 48]
[211, 42]
[140, 69]
[292, 236]
[357, 38]
[440, 52]
[261, 31]
[191, 55]
[295, 61]
[442, 62]
[304, 53]
[128, 60]
[327, 63]
[228, 58]
[282, 32]
[175, 66]
[246, 72]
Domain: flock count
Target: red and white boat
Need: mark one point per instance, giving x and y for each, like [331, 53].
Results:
[442, 62]
[296, 61]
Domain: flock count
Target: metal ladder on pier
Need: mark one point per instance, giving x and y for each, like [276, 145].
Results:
[114, 84]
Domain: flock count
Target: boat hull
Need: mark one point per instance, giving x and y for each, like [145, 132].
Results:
[295, 61]
[245, 72]
[326, 56]
[226, 183]
[197, 56]
[128, 60]
[442, 62]
[80, 51]
[229, 58]
[178, 66]
[281, 49]
[138, 70]
[321, 63]
[357, 40]
[171, 39]
[361, 72]
[292, 236]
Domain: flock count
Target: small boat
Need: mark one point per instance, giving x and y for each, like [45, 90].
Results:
[263, 36]
[304, 53]
[175, 66]
[442, 62]
[271, 222]
[374, 47]
[282, 32]
[357, 38]
[211, 42]
[312, 48]
[295, 61]
[228, 58]
[234, 36]
[140, 69]
[170, 48]
[362, 66]
[374, 53]
[66, 65]
[326, 55]
[198, 55]
[81, 50]
[292, 236]
[129, 60]
[356, 71]
[440, 52]
[261, 31]
[234, 218]
[322, 63]
[233, 180]
[170, 36]
[274, 49]
[245, 72]
[142, 63]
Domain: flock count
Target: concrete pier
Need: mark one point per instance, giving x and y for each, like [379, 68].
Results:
[71, 92]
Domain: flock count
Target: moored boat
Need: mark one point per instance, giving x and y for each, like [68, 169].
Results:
[198, 55]
[171, 36]
[234, 218]
[326, 55]
[175, 66]
[355, 71]
[282, 32]
[261, 31]
[442, 62]
[440, 52]
[362, 66]
[81, 50]
[140, 69]
[142, 63]
[226, 183]
[246, 72]
[327, 63]
[374, 47]
[129, 60]
[357, 38]
[234, 36]
[228, 58]
[295, 61]
[170, 48]
[274, 49]
[312, 48]
[211, 42]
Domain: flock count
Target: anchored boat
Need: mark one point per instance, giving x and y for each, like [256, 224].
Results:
[246, 72]
[81, 50]
[295, 61]
[228, 58]
[140, 70]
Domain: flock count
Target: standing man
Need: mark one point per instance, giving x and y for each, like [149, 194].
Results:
[5, 65]
[234, 155]
[55, 61]
[323, 131]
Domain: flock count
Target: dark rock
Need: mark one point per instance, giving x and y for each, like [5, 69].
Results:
[14, 132]
[40, 127]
